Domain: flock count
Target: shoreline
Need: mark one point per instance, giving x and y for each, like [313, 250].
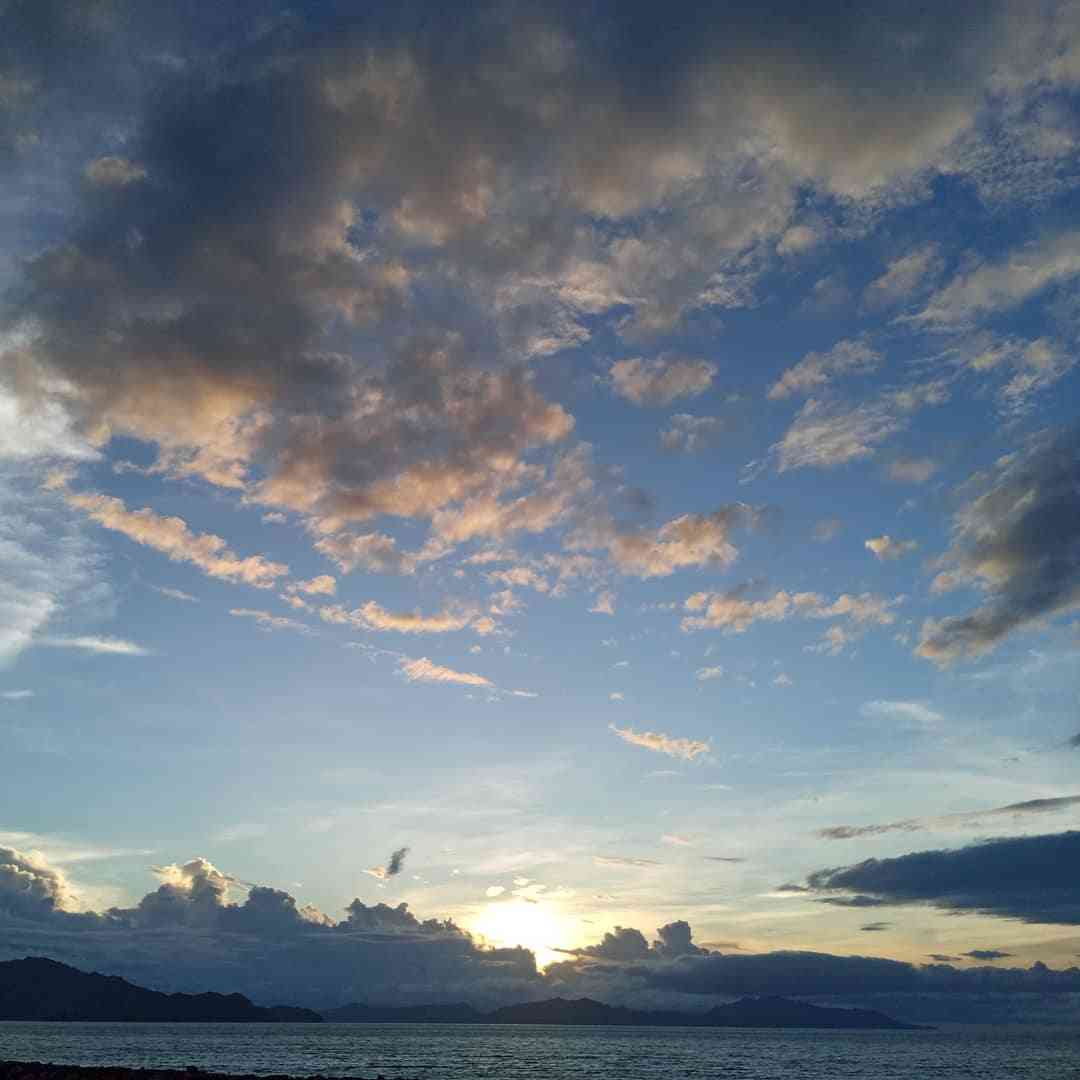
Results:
[40, 1070]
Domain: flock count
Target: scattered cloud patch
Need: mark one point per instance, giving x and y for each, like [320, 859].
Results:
[673, 746]
[662, 380]
[887, 549]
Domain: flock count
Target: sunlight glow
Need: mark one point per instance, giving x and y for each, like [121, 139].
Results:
[534, 926]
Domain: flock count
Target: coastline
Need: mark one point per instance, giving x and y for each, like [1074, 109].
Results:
[40, 1070]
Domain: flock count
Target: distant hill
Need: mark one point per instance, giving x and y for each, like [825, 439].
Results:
[39, 989]
[763, 1012]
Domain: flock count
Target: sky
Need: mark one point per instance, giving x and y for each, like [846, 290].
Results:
[605, 477]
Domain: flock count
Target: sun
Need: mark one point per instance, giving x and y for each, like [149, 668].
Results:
[535, 926]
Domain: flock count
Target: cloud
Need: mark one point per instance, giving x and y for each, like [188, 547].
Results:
[987, 954]
[875, 927]
[175, 594]
[49, 569]
[688, 434]
[172, 537]
[706, 673]
[393, 867]
[912, 470]
[1017, 540]
[1017, 811]
[323, 585]
[676, 841]
[815, 369]
[910, 714]
[423, 670]
[109, 646]
[733, 612]
[826, 434]
[267, 621]
[888, 549]
[619, 861]
[16, 695]
[604, 605]
[661, 381]
[688, 749]
[373, 616]
[999, 286]
[373, 551]
[493, 891]
[797, 240]
[904, 278]
[689, 540]
[113, 172]
[1035, 879]
[783, 679]
[188, 935]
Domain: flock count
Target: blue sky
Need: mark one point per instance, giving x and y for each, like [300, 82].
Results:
[600, 452]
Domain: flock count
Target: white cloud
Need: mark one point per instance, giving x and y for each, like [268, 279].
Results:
[688, 749]
[16, 695]
[783, 679]
[604, 605]
[912, 470]
[323, 585]
[267, 621]
[734, 613]
[661, 381]
[706, 673]
[110, 646]
[494, 890]
[172, 537]
[905, 713]
[676, 841]
[423, 670]
[825, 434]
[816, 369]
[688, 434]
[905, 277]
[999, 286]
[373, 616]
[175, 594]
[886, 548]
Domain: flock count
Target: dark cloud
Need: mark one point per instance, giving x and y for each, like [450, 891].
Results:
[987, 954]
[1073, 743]
[393, 867]
[1019, 541]
[974, 817]
[943, 958]
[188, 935]
[1032, 878]
[875, 927]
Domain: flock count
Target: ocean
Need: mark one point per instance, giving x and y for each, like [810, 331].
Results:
[476, 1052]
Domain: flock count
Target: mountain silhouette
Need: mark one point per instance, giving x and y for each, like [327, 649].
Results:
[40, 989]
[762, 1012]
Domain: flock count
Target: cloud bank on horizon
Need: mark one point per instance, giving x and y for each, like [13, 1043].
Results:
[395, 406]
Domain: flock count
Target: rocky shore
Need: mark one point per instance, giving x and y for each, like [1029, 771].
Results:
[37, 1070]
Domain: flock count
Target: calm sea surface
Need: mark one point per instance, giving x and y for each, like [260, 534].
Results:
[455, 1052]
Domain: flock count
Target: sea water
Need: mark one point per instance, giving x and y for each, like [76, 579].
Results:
[517, 1052]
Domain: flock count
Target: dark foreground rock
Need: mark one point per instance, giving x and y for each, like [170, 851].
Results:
[36, 1070]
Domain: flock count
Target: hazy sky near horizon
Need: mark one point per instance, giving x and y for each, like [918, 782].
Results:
[626, 455]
